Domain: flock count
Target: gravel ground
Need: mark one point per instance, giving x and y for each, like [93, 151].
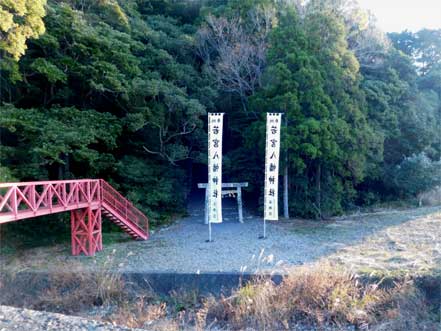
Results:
[388, 240]
[19, 319]
[392, 239]
[404, 241]
[31, 320]
[235, 247]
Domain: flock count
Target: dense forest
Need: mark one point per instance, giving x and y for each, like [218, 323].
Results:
[120, 89]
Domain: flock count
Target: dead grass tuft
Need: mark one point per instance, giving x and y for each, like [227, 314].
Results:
[70, 291]
[406, 309]
[321, 296]
[180, 311]
[430, 198]
[142, 314]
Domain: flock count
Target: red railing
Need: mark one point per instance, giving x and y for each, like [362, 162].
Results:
[118, 203]
[31, 199]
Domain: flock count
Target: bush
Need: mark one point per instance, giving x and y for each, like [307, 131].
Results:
[416, 174]
[431, 197]
[158, 189]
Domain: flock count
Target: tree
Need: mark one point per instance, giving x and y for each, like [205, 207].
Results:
[403, 109]
[369, 44]
[56, 141]
[416, 174]
[423, 46]
[19, 21]
[313, 80]
[125, 83]
[233, 49]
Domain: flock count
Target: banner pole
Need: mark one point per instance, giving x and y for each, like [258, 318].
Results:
[214, 185]
[264, 230]
[272, 155]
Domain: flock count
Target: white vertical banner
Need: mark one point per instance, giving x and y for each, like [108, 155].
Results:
[272, 155]
[215, 127]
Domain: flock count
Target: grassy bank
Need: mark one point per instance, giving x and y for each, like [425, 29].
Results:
[320, 297]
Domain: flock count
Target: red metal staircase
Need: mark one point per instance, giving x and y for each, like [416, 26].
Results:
[86, 199]
[122, 212]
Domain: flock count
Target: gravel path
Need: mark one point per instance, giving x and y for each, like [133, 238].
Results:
[31, 320]
[182, 247]
[236, 246]
[404, 239]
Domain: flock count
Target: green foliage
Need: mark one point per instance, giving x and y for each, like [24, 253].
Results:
[416, 174]
[404, 110]
[104, 86]
[314, 81]
[159, 188]
[6, 175]
[423, 46]
[49, 70]
[117, 89]
[51, 136]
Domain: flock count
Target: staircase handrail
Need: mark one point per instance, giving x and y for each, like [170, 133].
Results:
[124, 207]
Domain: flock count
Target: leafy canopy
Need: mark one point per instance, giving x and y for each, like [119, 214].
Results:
[19, 21]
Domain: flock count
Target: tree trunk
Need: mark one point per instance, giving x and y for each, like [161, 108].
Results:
[60, 171]
[63, 168]
[285, 192]
[66, 166]
[285, 178]
[318, 197]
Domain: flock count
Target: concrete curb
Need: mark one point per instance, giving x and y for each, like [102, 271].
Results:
[215, 283]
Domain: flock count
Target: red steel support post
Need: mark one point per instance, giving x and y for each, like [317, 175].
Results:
[86, 231]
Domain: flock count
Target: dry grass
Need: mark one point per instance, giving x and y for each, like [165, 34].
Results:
[406, 309]
[69, 292]
[142, 314]
[410, 248]
[72, 289]
[430, 198]
[321, 297]
[108, 279]
[179, 311]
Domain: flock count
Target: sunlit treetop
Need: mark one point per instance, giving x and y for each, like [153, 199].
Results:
[19, 21]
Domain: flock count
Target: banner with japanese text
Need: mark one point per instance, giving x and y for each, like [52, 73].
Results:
[272, 154]
[215, 126]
